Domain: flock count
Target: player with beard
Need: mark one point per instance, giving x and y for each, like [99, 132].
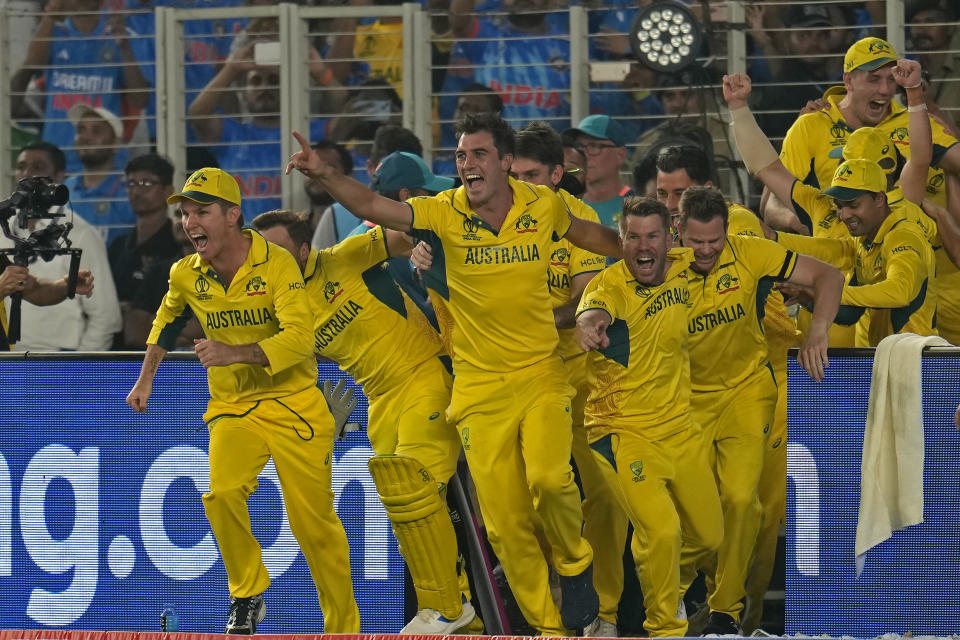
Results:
[734, 389]
[510, 400]
[632, 320]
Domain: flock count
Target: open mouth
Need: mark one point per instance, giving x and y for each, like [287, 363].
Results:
[645, 263]
[199, 241]
[473, 180]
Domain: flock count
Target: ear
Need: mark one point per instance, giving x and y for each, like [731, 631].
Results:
[622, 155]
[556, 175]
[304, 253]
[506, 161]
[404, 194]
[846, 80]
[233, 214]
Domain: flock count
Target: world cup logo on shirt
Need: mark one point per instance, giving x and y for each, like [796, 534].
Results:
[470, 227]
[838, 131]
[202, 287]
[642, 291]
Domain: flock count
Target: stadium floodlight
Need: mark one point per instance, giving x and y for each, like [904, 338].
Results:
[666, 36]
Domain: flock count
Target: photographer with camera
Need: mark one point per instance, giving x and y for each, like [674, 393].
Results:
[87, 322]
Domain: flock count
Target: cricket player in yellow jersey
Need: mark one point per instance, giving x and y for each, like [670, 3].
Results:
[264, 402]
[539, 160]
[899, 288]
[367, 325]
[680, 167]
[865, 100]
[511, 400]
[633, 320]
[734, 390]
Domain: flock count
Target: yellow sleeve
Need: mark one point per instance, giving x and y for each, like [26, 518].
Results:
[581, 260]
[361, 251]
[559, 212]
[425, 213]
[904, 275]
[743, 222]
[942, 141]
[795, 152]
[840, 252]
[294, 341]
[170, 318]
[599, 296]
[766, 258]
[811, 205]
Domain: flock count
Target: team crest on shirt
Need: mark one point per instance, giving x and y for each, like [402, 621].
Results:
[470, 228]
[900, 136]
[202, 287]
[878, 264]
[465, 438]
[636, 467]
[331, 291]
[525, 224]
[642, 291]
[727, 283]
[256, 286]
[560, 257]
[935, 184]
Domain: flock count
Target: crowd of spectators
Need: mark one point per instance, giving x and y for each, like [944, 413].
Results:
[84, 85]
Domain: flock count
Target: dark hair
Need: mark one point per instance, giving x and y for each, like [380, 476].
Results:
[296, 224]
[645, 170]
[494, 101]
[346, 160]
[152, 163]
[538, 141]
[393, 137]
[641, 207]
[702, 204]
[57, 157]
[687, 157]
[503, 136]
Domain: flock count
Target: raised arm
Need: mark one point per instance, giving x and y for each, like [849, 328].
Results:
[913, 178]
[207, 127]
[826, 282]
[360, 200]
[758, 154]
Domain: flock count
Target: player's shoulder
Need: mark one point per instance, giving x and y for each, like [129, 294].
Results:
[578, 207]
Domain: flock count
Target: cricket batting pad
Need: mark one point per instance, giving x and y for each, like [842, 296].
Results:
[423, 529]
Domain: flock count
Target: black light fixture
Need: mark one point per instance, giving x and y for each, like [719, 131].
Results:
[666, 36]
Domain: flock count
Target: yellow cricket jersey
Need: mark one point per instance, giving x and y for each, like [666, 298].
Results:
[266, 303]
[364, 322]
[4, 330]
[893, 275]
[567, 261]
[727, 343]
[641, 382]
[779, 328]
[810, 139]
[381, 47]
[501, 308]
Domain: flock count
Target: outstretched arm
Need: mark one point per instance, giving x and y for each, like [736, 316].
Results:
[593, 237]
[592, 329]
[360, 200]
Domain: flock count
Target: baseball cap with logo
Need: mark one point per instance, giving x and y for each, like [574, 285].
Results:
[602, 128]
[856, 177]
[869, 143]
[402, 170]
[868, 54]
[81, 109]
[207, 185]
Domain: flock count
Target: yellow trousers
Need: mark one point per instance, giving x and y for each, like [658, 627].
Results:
[736, 423]
[668, 490]
[604, 520]
[773, 502]
[516, 433]
[297, 432]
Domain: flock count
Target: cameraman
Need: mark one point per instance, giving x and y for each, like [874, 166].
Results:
[36, 291]
[84, 323]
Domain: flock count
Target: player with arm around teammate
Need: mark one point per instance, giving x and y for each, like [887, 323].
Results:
[264, 402]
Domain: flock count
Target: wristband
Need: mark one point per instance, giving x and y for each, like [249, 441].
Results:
[917, 107]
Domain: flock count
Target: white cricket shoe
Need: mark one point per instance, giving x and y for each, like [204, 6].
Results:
[430, 622]
[600, 628]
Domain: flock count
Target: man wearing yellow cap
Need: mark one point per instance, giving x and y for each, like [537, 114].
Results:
[892, 262]
[865, 99]
[866, 142]
[250, 300]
